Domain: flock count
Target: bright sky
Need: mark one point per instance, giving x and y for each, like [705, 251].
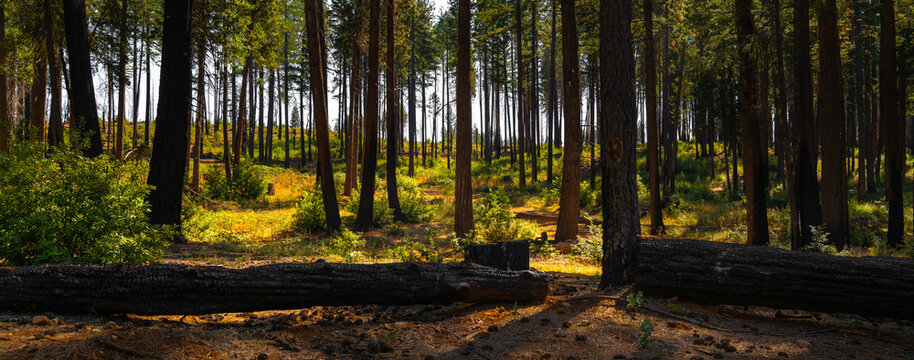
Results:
[333, 106]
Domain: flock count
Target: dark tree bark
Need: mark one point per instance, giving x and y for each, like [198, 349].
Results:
[806, 194]
[653, 156]
[533, 120]
[412, 98]
[894, 152]
[393, 198]
[226, 149]
[754, 170]
[831, 111]
[83, 111]
[287, 162]
[270, 116]
[463, 189]
[167, 165]
[521, 129]
[313, 20]
[55, 119]
[569, 203]
[4, 105]
[365, 217]
[37, 100]
[617, 147]
[239, 129]
[121, 84]
[178, 289]
[551, 112]
[355, 100]
[201, 110]
[780, 101]
[716, 272]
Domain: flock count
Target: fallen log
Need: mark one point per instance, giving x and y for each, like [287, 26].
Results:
[505, 255]
[167, 289]
[723, 273]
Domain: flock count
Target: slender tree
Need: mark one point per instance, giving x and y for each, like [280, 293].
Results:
[393, 199]
[365, 217]
[754, 171]
[463, 189]
[894, 154]
[831, 114]
[313, 19]
[806, 194]
[653, 156]
[569, 204]
[167, 165]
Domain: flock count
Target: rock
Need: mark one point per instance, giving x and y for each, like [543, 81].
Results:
[584, 323]
[560, 334]
[782, 354]
[492, 328]
[580, 337]
[262, 356]
[41, 320]
[566, 325]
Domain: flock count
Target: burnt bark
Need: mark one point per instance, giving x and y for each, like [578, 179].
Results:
[617, 148]
[716, 272]
[653, 156]
[164, 289]
[365, 217]
[463, 189]
[569, 203]
[82, 95]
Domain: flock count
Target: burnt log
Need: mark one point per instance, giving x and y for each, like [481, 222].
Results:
[724, 273]
[168, 289]
[506, 255]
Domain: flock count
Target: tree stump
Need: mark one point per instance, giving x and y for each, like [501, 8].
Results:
[508, 255]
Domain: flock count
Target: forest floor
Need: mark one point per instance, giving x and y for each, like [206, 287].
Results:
[575, 322]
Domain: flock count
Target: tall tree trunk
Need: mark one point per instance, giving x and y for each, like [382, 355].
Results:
[534, 119]
[807, 189]
[226, 150]
[619, 121]
[121, 84]
[412, 98]
[167, 166]
[780, 102]
[753, 168]
[393, 200]
[82, 94]
[4, 104]
[355, 100]
[201, 110]
[148, 95]
[518, 49]
[463, 189]
[261, 147]
[239, 129]
[860, 108]
[894, 154]
[569, 203]
[831, 98]
[313, 18]
[38, 98]
[270, 116]
[285, 86]
[653, 161]
[551, 113]
[55, 121]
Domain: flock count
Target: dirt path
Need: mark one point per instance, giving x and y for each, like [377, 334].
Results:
[575, 322]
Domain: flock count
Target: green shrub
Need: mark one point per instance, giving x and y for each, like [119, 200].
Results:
[345, 244]
[590, 247]
[820, 243]
[68, 208]
[413, 204]
[495, 221]
[381, 212]
[247, 183]
[309, 213]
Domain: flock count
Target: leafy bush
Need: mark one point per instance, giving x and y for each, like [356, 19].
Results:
[820, 243]
[495, 221]
[412, 203]
[590, 247]
[345, 244]
[309, 213]
[68, 208]
[381, 212]
[247, 183]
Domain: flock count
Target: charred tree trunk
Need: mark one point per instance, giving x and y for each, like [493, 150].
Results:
[393, 199]
[313, 20]
[894, 152]
[619, 122]
[55, 120]
[178, 289]
[82, 95]
[806, 192]
[167, 165]
[716, 272]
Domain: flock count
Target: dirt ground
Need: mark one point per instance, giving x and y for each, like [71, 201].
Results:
[575, 322]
